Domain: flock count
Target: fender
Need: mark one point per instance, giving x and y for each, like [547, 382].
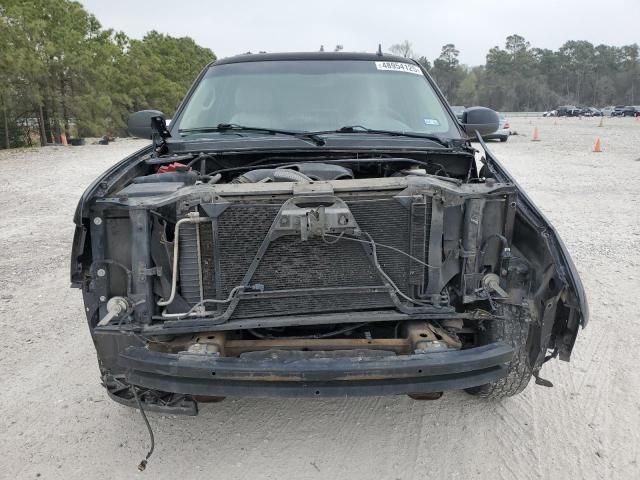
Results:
[563, 263]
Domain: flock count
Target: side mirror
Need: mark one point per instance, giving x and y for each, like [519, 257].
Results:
[482, 119]
[139, 124]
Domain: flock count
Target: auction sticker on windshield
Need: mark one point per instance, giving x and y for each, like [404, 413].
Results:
[398, 67]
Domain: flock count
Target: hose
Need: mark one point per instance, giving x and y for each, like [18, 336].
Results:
[272, 174]
[483, 247]
[229, 298]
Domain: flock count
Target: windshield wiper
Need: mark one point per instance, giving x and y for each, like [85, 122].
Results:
[226, 127]
[315, 137]
[361, 129]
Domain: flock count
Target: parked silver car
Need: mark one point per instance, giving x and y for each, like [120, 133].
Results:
[458, 110]
[503, 132]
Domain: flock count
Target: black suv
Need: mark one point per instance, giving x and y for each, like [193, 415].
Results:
[630, 111]
[568, 111]
[316, 224]
[626, 111]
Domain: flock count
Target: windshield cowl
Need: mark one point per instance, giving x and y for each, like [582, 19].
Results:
[242, 141]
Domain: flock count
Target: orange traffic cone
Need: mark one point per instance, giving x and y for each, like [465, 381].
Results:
[536, 137]
[597, 147]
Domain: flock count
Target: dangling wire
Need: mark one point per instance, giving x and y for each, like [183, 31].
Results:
[376, 263]
[143, 464]
[372, 243]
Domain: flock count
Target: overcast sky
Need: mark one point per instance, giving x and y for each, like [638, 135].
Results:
[237, 26]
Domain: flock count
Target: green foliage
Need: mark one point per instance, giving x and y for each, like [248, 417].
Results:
[61, 72]
[447, 71]
[519, 77]
[467, 93]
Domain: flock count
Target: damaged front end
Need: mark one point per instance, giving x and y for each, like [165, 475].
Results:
[333, 277]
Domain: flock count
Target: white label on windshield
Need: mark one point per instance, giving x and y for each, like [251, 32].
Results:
[398, 67]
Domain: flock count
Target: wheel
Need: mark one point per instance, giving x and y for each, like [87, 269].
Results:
[514, 330]
[504, 138]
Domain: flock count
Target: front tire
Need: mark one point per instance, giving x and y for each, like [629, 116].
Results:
[504, 138]
[514, 330]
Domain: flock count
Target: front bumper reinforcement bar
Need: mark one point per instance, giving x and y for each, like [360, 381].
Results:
[318, 377]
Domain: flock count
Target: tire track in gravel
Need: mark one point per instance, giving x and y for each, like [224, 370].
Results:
[477, 433]
[577, 441]
[513, 436]
[358, 427]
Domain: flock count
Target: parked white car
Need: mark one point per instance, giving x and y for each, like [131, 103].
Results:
[607, 111]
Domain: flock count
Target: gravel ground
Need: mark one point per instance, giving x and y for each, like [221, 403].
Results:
[59, 423]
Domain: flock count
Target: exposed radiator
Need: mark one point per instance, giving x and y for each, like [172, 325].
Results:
[290, 263]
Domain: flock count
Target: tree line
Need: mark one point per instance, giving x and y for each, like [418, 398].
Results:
[62, 73]
[520, 77]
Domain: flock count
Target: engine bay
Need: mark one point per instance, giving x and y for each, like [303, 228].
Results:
[300, 168]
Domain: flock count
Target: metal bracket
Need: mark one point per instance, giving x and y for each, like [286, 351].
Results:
[216, 208]
[316, 188]
[331, 215]
[151, 272]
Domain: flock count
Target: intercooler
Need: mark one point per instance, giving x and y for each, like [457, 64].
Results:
[216, 260]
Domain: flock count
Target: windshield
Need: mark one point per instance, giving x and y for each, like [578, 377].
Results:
[316, 95]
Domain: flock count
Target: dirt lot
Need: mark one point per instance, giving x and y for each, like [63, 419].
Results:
[57, 421]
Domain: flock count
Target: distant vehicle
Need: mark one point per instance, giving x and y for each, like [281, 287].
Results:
[568, 111]
[607, 111]
[503, 132]
[459, 111]
[591, 112]
[550, 113]
[618, 111]
[628, 111]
